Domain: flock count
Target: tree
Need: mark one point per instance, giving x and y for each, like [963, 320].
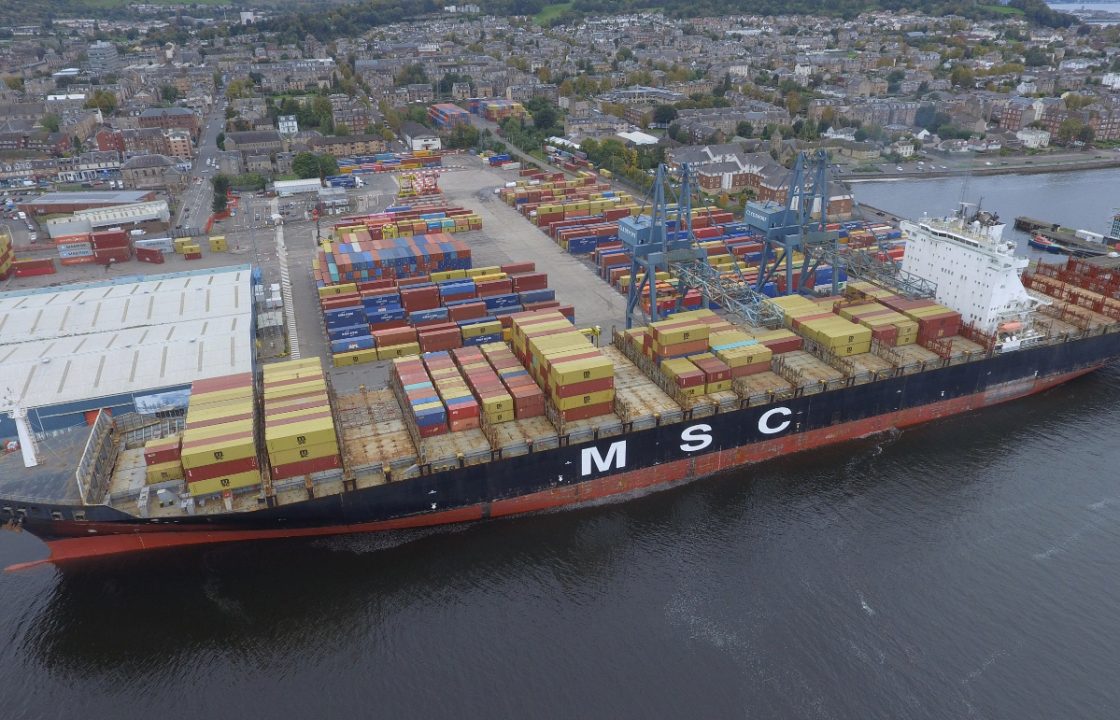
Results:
[544, 117]
[463, 136]
[744, 129]
[342, 129]
[14, 83]
[221, 187]
[664, 114]
[50, 122]
[962, 76]
[310, 165]
[220, 141]
[103, 100]
[413, 74]
[169, 93]
[1036, 57]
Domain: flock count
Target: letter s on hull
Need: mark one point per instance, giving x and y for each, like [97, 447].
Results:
[765, 423]
[696, 437]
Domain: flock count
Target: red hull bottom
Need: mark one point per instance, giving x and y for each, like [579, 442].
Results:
[581, 493]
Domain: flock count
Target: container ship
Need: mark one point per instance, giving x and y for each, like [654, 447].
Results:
[519, 412]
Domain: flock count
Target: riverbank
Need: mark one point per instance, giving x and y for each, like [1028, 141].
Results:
[1035, 165]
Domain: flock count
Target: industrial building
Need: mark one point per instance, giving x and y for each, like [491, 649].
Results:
[149, 216]
[128, 344]
[284, 188]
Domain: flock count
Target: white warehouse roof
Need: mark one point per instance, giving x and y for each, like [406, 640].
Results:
[130, 335]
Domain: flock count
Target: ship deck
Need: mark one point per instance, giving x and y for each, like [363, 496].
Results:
[53, 479]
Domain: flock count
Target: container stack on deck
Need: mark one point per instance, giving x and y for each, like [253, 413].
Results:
[162, 459]
[577, 379]
[299, 427]
[219, 449]
[424, 411]
[492, 395]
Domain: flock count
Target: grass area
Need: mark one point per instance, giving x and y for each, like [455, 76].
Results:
[1002, 9]
[550, 12]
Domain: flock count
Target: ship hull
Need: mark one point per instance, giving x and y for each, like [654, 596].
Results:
[633, 462]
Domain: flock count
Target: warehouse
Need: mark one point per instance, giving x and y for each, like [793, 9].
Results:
[134, 343]
[285, 188]
[149, 216]
[72, 202]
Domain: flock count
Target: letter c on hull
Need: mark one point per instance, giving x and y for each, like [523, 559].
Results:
[764, 423]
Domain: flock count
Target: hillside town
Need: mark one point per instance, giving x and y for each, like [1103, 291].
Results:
[124, 104]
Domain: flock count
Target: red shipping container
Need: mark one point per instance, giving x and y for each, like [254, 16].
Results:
[529, 281]
[229, 467]
[462, 409]
[386, 324]
[783, 345]
[714, 370]
[420, 299]
[443, 340]
[494, 287]
[886, 335]
[192, 256]
[744, 370]
[431, 430]
[520, 267]
[149, 255]
[470, 423]
[112, 255]
[584, 388]
[306, 467]
[155, 457]
[468, 311]
[219, 421]
[394, 336]
[28, 268]
[587, 411]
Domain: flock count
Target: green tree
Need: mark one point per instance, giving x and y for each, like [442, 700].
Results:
[221, 185]
[220, 141]
[50, 122]
[664, 114]
[310, 165]
[744, 129]
[103, 100]
[342, 129]
[14, 83]
[169, 93]
[463, 136]
[962, 76]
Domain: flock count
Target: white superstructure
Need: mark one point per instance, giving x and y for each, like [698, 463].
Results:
[976, 270]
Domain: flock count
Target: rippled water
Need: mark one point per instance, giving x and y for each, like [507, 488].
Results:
[967, 568]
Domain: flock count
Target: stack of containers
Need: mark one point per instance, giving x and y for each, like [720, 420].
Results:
[496, 402]
[576, 377]
[74, 249]
[162, 459]
[677, 338]
[347, 324]
[452, 388]
[842, 337]
[887, 326]
[6, 256]
[299, 428]
[110, 246]
[528, 399]
[717, 374]
[418, 395]
[219, 448]
[218, 243]
[934, 321]
[744, 355]
[688, 378]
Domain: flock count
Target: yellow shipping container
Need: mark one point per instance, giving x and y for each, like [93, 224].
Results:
[489, 270]
[213, 451]
[304, 452]
[354, 357]
[230, 428]
[218, 245]
[236, 481]
[495, 418]
[278, 367]
[575, 371]
[497, 403]
[677, 366]
[299, 434]
[299, 388]
[397, 351]
[720, 386]
[172, 470]
[578, 401]
[750, 355]
[341, 289]
[482, 328]
[855, 349]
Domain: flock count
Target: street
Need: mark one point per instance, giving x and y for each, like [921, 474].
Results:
[196, 201]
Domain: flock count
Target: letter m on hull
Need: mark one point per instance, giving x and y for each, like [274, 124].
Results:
[593, 461]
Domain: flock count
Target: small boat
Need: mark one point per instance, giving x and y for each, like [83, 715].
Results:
[1045, 244]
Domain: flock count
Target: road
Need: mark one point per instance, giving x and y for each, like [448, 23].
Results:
[197, 200]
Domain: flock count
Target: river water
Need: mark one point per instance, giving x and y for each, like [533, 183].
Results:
[964, 569]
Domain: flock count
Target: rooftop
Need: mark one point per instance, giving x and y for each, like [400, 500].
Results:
[96, 197]
[127, 335]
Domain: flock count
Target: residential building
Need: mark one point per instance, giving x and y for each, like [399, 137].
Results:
[103, 59]
[145, 172]
[254, 141]
[341, 146]
[173, 118]
[418, 137]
